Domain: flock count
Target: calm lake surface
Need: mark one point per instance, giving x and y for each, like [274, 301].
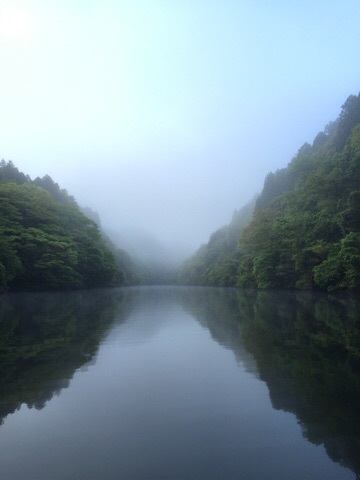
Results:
[179, 384]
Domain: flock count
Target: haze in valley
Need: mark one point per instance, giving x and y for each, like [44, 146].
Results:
[162, 116]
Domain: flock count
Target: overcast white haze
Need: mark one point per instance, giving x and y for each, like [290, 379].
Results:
[167, 115]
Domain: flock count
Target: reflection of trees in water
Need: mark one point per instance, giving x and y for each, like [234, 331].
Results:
[311, 364]
[306, 347]
[221, 311]
[45, 338]
[307, 350]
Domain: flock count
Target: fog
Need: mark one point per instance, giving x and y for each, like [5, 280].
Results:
[165, 117]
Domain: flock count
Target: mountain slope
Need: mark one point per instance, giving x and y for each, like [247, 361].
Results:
[46, 242]
[305, 232]
[215, 263]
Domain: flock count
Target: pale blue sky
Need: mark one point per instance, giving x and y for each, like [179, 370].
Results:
[167, 115]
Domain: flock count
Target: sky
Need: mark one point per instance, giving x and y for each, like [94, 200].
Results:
[166, 115]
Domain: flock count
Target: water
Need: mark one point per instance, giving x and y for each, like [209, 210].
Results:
[179, 383]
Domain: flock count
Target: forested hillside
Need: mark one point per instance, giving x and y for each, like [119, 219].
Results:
[46, 242]
[305, 231]
[216, 262]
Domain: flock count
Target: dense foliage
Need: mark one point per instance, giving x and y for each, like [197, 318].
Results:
[216, 262]
[305, 232]
[46, 242]
[128, 271]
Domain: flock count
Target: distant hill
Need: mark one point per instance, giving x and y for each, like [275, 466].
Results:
[154, 263]
[305, 229]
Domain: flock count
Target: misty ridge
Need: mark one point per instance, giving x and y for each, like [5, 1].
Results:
[301, 232]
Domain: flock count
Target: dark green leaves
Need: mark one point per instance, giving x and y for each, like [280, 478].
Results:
[45, 244]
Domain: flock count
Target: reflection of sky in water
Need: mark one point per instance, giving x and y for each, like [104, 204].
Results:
[163, 401]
